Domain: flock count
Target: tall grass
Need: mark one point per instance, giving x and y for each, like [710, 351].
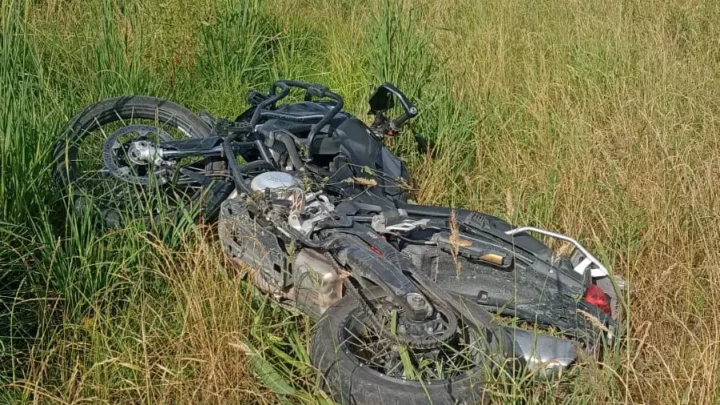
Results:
[598, 119]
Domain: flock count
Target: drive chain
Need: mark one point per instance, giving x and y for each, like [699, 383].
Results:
[410, 342]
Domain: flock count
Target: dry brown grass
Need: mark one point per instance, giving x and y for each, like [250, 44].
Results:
[598, 119]
[617, 104]
[594, 118]
[183, 347]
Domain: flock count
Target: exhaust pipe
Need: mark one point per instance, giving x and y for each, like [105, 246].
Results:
[542, 354]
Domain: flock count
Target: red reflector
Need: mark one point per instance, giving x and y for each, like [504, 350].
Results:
[597, 297]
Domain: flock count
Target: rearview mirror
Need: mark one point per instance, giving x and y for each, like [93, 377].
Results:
[381, 100]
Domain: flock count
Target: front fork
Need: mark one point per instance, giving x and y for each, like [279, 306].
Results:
[211, 146]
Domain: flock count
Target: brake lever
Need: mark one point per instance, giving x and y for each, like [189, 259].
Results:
[410, 109]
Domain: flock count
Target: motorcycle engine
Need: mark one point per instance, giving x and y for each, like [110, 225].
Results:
[274, 181]
[303, 209]
[310, 280]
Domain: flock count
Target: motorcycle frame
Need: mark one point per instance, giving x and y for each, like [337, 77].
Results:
[389, 270]
[351, 243]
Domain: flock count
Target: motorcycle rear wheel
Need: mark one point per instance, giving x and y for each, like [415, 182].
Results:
[350, 381]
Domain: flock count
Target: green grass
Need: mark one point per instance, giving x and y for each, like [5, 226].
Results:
[598, 119]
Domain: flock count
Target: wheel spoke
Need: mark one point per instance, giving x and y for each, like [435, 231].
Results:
[383, 353]
[155, 188]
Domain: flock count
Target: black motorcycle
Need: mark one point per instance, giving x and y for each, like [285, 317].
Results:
[415, 304]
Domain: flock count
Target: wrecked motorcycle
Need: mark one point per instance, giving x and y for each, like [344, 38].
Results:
[415, 303]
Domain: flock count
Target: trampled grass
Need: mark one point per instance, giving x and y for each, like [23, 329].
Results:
[599, 119]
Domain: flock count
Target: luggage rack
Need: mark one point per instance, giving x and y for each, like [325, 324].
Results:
[600, 271]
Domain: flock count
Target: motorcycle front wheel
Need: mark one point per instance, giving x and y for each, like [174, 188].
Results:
[97, 165]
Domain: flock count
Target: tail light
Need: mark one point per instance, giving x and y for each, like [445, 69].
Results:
[596, 296]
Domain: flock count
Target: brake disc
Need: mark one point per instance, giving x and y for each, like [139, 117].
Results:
[128, 159]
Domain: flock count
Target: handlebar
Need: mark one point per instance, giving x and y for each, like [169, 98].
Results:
[397, 123]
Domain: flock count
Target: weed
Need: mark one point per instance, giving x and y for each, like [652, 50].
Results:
[596, 119]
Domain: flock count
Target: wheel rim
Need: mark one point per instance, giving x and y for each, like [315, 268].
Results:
[103, 178]
[453, 360]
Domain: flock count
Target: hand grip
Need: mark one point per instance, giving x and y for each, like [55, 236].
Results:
[397, 123]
